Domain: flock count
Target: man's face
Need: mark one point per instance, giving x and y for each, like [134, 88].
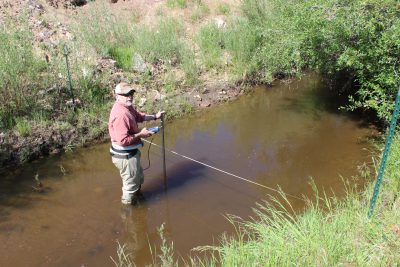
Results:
[126, 98]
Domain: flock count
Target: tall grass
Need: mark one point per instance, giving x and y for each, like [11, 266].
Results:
[20, 70]
[210, 40]
[104, 30]
[164, 44]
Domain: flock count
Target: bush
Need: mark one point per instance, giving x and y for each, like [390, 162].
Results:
[356, 40]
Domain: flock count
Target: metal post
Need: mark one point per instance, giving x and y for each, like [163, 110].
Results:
[66, 52]
[385, 154]
[163, 151]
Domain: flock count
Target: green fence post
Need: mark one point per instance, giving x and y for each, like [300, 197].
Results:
[389, 138]
[66, 52]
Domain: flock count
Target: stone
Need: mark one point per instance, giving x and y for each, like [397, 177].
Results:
[138, 63]
[220, 23]
[142, 101]
[205, 104]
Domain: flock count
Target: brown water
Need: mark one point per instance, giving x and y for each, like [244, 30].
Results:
[274, 136]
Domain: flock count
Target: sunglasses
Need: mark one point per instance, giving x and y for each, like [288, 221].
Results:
[128, 94]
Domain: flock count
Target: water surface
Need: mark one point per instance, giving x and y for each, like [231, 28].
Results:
[274, 136]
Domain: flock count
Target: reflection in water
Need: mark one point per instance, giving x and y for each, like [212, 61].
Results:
[274, 136]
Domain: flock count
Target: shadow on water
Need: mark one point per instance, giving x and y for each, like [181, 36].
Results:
[321, 98]
[178, 176]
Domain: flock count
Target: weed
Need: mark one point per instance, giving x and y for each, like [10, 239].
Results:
[123, 56]
[163, 45]
[223, 9]
[176, 3]
[23, 127]
[199, 11]
[210, 41]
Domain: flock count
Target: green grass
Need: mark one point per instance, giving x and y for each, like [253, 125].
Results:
[20, 71]
[164, 44]
[223, 9]
[210, 41]
[23, 127]
[176, 3]
[104, 31]
[199, 11]
[123, 56]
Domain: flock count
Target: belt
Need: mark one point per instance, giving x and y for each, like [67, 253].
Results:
[123, 154]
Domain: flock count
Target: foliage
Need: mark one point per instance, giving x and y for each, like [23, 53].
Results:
[223, 8]
[163, 44]
[20, 71]
[210, 40]
[355, 40]
[23, 127]
[123, 56]
[176, 3]
[199, 11]
[103, 30]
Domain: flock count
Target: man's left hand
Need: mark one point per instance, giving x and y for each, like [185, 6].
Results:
[159, 114]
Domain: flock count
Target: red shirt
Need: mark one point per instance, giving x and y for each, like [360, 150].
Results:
[122, 124]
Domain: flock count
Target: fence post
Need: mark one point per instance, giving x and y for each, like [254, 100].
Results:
[389, 138]
[66, 52]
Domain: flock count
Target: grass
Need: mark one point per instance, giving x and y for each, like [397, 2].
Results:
[223, 9]
[123, 56]
[20, 71]
[23, 127]
[199, 11]
[163, 45]
[176, 3]
[210, 40]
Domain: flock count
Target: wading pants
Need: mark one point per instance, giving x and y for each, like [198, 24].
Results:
[132, 176]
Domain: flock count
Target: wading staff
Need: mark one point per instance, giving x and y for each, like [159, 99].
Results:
[163, 150]
[66, 52]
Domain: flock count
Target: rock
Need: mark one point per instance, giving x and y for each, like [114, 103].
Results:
[138, 63]
[113, 1]
[157, 95]
[222, 92]
[205, 104]
[142, 101]
[198, 97]
[220, 23]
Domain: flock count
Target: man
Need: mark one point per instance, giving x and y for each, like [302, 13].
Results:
[126, 141]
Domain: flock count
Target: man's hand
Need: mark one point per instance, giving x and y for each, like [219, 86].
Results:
[159, 114]
[144, 133]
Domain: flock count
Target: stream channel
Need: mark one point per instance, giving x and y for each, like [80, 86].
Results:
[281, 135]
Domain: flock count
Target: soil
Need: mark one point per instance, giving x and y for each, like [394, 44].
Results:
[50, 21]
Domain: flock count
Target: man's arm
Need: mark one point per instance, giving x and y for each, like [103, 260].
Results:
[148, 117]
